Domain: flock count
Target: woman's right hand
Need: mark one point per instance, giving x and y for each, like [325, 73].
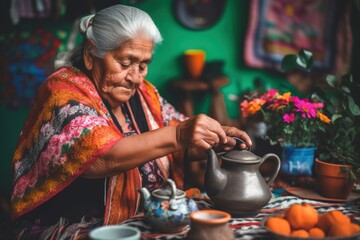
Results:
[200, 131]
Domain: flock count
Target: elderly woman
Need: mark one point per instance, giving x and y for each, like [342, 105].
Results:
[98, 131]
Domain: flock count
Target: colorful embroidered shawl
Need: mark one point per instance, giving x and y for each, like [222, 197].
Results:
[68, 129]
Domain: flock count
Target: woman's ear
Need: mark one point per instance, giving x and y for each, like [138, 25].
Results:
[88, 56]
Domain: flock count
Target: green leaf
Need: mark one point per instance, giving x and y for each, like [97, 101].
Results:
[352, 176]
[347, 79]
[331, 80]
[305, 58]
[318, 93]
[302, 60]
[335, 117]
[354, 108]
[288, 130]
[345, 89]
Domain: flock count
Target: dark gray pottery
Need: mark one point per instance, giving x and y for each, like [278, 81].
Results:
[238, 187]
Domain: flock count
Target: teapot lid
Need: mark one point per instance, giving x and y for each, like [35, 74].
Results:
[166, 193]
[241, 156]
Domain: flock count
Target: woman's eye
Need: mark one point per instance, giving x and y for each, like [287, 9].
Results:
[125, 65]
[143, 66]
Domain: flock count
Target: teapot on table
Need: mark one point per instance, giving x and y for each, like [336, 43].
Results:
[237, 186]
[167, 208]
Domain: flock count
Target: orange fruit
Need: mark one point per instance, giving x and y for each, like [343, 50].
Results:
[302, 216]
[331, 218]
[300, 233]
[316, 232]
[355, 228]
[278, 225]
[340, 230]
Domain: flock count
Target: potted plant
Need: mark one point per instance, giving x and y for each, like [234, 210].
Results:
[338, 159]
[291, 121]
[339, 143]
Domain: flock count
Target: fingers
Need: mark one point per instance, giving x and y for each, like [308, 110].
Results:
[201, 131]
[204, 132]
[235, 132]
[213, 139]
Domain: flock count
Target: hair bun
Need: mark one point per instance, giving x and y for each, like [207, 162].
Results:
[85, 23]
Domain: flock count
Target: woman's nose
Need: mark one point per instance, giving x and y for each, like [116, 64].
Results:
[134, 73]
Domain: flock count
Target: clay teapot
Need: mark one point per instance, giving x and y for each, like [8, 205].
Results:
[167, 208]
[237, 186]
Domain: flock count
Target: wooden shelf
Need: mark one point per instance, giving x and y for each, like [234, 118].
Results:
[188, 86]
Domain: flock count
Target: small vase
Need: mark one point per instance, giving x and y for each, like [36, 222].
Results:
[210, 224]
[332, 180]
[297, 161]
[194, 61]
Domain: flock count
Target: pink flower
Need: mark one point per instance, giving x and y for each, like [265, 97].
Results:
[288, 118]
[270, 95]
[306, 108]
[318, 105]
[279, 101]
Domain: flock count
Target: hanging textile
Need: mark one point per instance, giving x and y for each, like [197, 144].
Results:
[26, 59]
[280, 27]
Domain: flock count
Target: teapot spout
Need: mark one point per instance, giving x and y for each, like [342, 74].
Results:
[145, 194]
[215, 177]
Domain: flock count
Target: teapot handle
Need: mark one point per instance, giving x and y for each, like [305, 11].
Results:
[173, 204]
[278, 163]
[239, 141]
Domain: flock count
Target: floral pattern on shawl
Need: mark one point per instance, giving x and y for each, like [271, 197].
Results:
[67, 116]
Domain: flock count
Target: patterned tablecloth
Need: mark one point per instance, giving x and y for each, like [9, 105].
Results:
[250, 228]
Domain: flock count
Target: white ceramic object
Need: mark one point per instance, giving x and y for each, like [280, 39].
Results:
[115, 232]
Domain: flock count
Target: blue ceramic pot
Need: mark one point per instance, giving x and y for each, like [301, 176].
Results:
[297, 161]
[167, 208]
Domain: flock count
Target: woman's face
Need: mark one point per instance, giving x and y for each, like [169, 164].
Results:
[121, 71]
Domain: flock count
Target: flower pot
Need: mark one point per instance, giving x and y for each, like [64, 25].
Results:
[297, 161]
[194, 61]
[210, 224]
[333, 180]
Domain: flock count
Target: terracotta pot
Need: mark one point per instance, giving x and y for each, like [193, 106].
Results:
[194, 61]
[332, 181]
[210, 224]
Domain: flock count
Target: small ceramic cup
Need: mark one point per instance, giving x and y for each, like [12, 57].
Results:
[194, 60]
[210, 224]
[115, 232]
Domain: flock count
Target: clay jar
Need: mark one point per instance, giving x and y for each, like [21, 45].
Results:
[210, 224]
[194, 61]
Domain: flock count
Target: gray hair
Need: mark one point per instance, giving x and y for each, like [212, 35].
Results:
[110, 27]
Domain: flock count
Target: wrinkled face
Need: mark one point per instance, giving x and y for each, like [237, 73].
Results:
[121, 71]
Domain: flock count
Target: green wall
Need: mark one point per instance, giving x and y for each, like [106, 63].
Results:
[224, 41]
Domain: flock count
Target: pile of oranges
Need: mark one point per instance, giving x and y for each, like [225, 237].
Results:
[302, 220]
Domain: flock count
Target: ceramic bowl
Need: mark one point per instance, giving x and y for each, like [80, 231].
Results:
[115, 232]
